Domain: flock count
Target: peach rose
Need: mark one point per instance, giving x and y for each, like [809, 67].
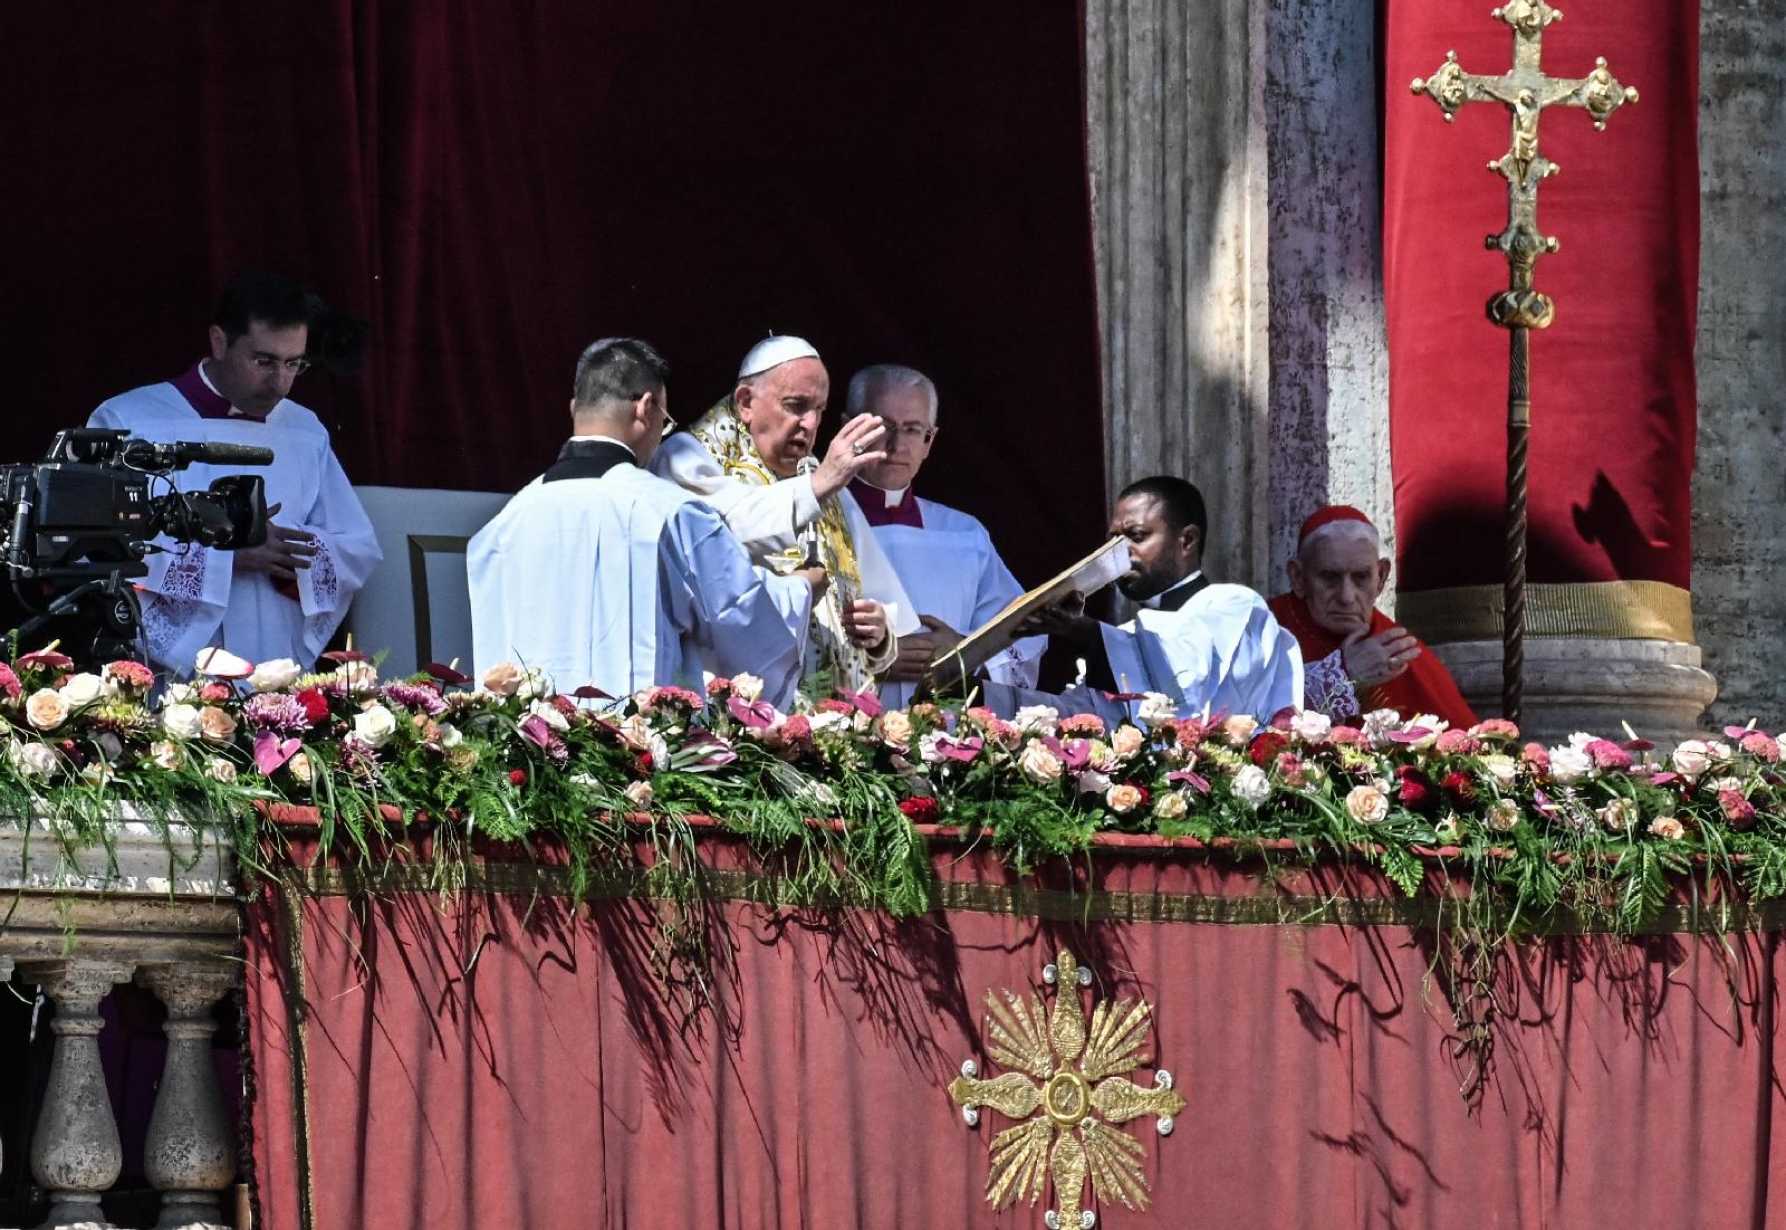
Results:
[1122, 798]
[215, 725]
[1367, 805]
[47, 709]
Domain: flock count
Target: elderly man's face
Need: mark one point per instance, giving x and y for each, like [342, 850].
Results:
[1159, 557]
[905, 413]
[255, 372]
[781, 409]
[1340, 577]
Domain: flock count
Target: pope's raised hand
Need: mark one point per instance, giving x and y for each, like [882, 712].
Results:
[1371, 660]
[852, 450]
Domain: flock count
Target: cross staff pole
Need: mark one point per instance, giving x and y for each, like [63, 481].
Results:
[1525, 91]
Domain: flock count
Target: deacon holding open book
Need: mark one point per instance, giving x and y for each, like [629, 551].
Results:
[944, 557]
[1208, 648]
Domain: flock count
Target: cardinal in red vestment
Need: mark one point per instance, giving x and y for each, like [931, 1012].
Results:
[1355, 659]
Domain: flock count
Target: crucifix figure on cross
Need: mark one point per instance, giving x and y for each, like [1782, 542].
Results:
[1525, 91]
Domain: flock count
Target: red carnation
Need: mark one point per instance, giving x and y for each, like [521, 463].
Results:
[1458, 787]
[316, 705]
[215, 693]
[1266, 747]
[517, 777]
[1417, 790]
[1607, 754]
[920, 809]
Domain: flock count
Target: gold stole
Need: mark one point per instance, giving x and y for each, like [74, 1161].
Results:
[830, 651]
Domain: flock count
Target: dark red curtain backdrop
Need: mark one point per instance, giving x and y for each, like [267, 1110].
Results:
[496, 185]
[508, 1061]
[1612, 380]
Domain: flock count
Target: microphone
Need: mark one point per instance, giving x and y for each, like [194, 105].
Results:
[149, 455]
[221, 453]
[809, 537]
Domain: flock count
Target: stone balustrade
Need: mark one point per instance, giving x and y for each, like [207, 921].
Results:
[146, 907]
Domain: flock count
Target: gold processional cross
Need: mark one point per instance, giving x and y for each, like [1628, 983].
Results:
[1526, 92]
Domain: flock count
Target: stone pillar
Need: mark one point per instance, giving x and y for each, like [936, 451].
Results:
[190, 1154]
[75, 1152]
[1237, 235]
[1739, 486]
[1174, 97]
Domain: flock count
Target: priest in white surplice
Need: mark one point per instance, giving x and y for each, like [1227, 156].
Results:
[599, 573]
[750, 456]
[1208, 648]
[944, 557]
[284, 599]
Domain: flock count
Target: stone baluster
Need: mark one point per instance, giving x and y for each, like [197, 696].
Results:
[75, 1152]
[190, 1154]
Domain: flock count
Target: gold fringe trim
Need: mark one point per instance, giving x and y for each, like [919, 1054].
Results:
[1264, 909]
[1619, 610]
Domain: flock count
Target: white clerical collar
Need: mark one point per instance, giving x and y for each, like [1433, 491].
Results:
[892, 497]
[206, 377]
[610, 440]
[1153, 603]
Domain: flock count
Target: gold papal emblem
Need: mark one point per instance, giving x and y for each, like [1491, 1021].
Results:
[1065, 1080]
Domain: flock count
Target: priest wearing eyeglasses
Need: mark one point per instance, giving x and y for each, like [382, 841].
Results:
[944, 557]
[283, 599]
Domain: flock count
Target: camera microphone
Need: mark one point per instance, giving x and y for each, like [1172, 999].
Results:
[217, 453]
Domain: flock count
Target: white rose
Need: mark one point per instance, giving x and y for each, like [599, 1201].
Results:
[1619, 815]
[181, 721]
[1239, 728]
[1720, 784]
[450, 736]
[1691, 758]
[1155, 709]
[1367, 805]
[46, 709]
[357, 677]
[534, 684]
[166, 755]
[32, 759]
[1250, 785]
[1311, 726]
[1038, 763]
[827, 722]
[1503, 815]
[747, 688]
[548, 713]
[1719, 751]
[1127, 741]
[220, 769]
[222, 663]
[639, 794]
[1037, 719]
[179, 694]
[374, 725]
[1122, 799]
[1170, 806]
[1502, 770]
[275, 675]
[1781, 740]
[896, 729]
[1569, 765]
[1668, 828]
[82, 689]
[301, 769]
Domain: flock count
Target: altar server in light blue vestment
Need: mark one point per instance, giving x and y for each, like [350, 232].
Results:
[599, 573]
[944, 557]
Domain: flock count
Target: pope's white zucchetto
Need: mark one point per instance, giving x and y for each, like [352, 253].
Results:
[773, 351]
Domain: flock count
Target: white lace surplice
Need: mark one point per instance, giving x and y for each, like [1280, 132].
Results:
[193, 596]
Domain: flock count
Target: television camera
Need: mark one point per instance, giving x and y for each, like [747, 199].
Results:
[75, 529]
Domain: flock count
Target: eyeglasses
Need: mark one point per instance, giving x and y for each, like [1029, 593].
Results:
[272, 362]
[911, 433]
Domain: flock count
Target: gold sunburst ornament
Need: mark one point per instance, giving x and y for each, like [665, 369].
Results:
[1065, 1080]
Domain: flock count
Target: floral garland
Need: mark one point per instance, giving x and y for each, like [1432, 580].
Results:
[1591, 824]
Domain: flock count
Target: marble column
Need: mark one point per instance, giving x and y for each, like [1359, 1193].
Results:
[75, 1153]
[1237, 234]
[190, 1154]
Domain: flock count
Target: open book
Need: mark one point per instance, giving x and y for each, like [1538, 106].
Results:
[1086, 577]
